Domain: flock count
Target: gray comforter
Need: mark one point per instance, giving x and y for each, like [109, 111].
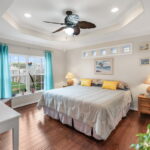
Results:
[99, 108]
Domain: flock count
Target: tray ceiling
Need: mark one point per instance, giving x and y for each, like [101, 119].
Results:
[98, 12]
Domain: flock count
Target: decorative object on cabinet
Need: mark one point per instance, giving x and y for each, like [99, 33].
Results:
[104, 66]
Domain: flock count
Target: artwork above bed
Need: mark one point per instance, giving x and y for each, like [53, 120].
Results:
[104, 66]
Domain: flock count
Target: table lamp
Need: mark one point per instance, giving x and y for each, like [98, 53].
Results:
[147, 81]
[69, 77]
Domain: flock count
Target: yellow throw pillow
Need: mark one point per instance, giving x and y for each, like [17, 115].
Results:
[86, 82]
[111, 85]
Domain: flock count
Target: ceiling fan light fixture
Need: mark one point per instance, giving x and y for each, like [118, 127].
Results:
[72, 24]
[69, 31]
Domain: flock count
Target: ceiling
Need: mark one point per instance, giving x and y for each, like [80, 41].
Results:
[125, 23]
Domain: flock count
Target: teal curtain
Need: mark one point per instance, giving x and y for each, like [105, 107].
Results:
[5, 78]
[48, 76]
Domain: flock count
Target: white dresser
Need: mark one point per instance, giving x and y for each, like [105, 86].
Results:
[9, 119]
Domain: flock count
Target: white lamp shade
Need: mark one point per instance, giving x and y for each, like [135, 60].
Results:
[147, 81]
[69, 75]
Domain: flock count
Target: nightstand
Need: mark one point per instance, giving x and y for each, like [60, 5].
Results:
[144, 104]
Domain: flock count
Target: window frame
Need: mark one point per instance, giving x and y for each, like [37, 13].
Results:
[26, 75]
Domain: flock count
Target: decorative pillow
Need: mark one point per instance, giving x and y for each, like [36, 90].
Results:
[111, 85]
[122, 85]
[97, 82]
[86, 82]
[76, 81]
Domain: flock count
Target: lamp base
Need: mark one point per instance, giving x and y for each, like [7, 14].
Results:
[69, 82]
[148, 91]
[147, 95]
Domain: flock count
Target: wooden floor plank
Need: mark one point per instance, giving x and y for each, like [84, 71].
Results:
[39, 132]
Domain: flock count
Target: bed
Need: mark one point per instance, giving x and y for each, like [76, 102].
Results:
[91, 110]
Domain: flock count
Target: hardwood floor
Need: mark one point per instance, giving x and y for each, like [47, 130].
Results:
[43, 133]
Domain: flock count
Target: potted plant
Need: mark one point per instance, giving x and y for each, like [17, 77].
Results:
[143, 140]
[15, 91]
[23, 91]
[32, 86]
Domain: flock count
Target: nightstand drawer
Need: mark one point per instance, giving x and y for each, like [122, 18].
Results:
[144, 102]
[145, 110]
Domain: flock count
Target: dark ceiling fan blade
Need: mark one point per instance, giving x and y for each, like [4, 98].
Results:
[60, 29]
[54, 22]
[86, 25]
[76, 30]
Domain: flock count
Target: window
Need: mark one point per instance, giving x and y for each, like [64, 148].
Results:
[36, 70]
[27, 73]
[103, 52]
[94, 53]
[126, 48]
[85, 54]
[114, 50]
[123, 49]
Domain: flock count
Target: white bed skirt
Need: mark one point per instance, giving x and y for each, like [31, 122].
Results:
[78, 125]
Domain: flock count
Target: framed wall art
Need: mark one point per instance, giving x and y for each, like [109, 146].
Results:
[144, 61]
[104, 66]
[144, 46]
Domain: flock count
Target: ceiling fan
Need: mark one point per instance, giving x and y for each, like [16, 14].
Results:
[72, 24]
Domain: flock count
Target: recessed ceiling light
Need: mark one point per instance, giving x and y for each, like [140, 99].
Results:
[27, 15]
[115, 9]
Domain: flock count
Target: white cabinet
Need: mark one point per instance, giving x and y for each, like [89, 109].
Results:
[9, 119]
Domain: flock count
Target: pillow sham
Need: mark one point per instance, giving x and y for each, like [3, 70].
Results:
[86, 82]
[97, 82]
[111, 85]
[122, 85]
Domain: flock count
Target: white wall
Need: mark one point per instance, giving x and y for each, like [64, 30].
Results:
[126, 68]
[59, 67]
